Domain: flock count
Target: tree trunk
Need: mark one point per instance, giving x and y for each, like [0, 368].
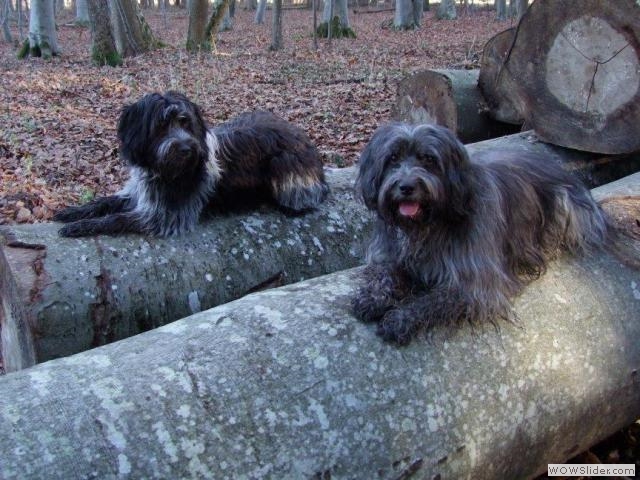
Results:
[82, 293]
[92, 291]
[450, 98]
[276, 26]
[131, 32]
[286, 384]
[220, 11]
[499, 89]
[5, 13]
[82, 12]
[262, 6]
[103, 47]
[446, 10]
[404, 18]
[335, 20]
[197, 39]
[574, 69]
[42, 41]
[501, 10]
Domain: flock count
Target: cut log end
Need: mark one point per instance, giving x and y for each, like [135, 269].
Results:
[591, 68]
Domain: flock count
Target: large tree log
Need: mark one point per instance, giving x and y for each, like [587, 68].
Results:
[286, 384]
[450, 98]
[82, 293]
[573, 73]
[497, 89]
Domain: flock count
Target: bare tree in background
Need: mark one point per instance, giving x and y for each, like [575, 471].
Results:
[501, 10]
[196, 34]
[5, 13]
[82, 12]
[408, 14]
[262, 6]
[131, 32]
[103, 47]
[201, 34]
[446, 10]
[335, 20]
[42, 41]
[276, 32]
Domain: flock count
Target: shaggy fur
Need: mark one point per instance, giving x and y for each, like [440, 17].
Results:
[179, 167]
[457, 237]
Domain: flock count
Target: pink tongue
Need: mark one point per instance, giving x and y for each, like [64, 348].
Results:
[409, 209]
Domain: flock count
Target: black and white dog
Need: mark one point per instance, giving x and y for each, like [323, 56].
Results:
[457, 237]
[179, 167]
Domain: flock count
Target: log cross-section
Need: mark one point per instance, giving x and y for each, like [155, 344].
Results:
[572, 72]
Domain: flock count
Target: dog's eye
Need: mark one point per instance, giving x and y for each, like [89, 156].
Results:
[393, 159]
[428, 160]
[183, 121]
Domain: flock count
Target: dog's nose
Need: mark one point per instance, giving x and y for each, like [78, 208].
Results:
[406, 189]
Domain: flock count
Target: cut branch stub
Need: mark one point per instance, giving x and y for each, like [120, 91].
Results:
[576, 71]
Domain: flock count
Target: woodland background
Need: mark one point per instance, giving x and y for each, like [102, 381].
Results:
[58, 116]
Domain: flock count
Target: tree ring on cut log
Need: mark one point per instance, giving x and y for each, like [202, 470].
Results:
[605, 64]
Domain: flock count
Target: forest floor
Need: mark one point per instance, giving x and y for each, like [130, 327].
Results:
[58, 117]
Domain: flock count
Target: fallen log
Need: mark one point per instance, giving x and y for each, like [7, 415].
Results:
[450, 98]
[83, 293]
[572, 72]
[286, 384]
[497, 89]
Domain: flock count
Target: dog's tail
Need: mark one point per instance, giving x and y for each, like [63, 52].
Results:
[299, 192]
[585, 225]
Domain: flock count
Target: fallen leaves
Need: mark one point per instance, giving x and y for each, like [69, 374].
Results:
[58, 143]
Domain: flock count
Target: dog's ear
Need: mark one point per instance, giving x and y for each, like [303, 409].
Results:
[457, 171]
[372, 165]
[131, 132]
[135, 125]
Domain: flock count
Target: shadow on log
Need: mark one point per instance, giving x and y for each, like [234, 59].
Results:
[286, 384]
[83, 293]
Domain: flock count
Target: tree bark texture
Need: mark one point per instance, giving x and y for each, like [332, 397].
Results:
[574, 72]
[335, 20]
[82, 12]
[83, 293]
[287, 384]
[103, 47]
[450, 98]
[407, 16]
[196, 33]
[131, 32]
[217, 20]
[43, 40]
[446, 10]
[499, 89]
[276, 26]
[262, 6]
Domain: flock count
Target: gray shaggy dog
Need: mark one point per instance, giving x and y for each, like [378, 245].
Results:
[457, 237]
[180, 167]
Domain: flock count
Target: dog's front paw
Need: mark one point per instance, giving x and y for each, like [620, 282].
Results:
[398, 326]
[72, 230]
[367, 307]
[68, 214]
